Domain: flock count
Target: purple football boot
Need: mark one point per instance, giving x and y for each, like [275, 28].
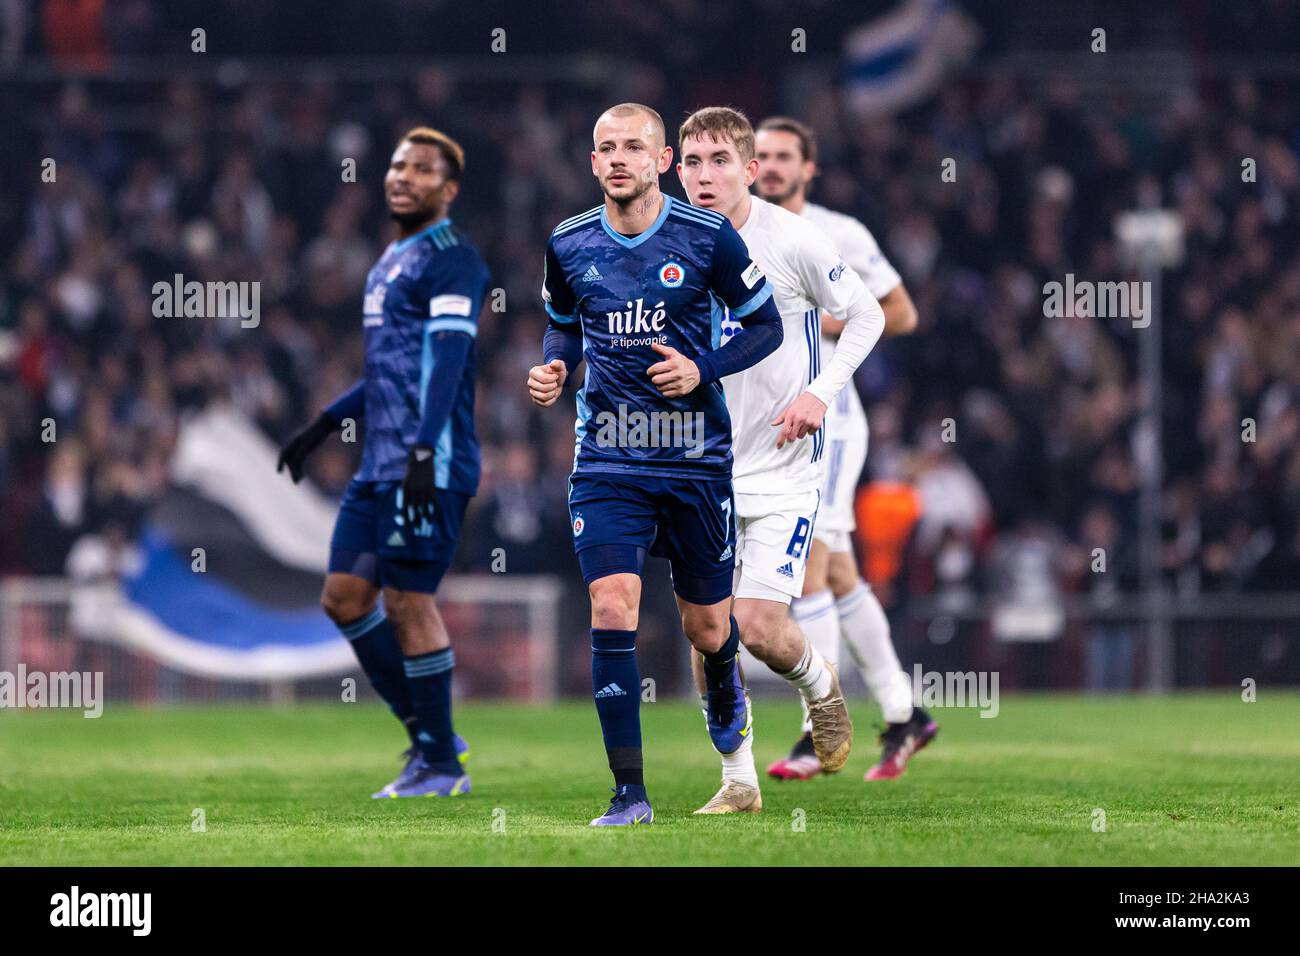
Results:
[629, 807]
[413, 766]
[423, 779]
[727, 710]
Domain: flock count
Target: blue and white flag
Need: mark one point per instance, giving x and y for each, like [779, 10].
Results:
[901, 58]
[253, 610]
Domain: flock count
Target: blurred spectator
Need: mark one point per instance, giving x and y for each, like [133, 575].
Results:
[1102, 565]
[240, 179]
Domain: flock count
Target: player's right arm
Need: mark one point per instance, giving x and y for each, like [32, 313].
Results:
[351, 404]
[562, 343]
[882, 280]
[900, 315]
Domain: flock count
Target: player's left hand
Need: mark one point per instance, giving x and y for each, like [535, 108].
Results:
[294, 455]
[676, 375]
[802, 418]
[417, 486]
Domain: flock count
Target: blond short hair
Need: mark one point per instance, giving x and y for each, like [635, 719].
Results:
[721, 124]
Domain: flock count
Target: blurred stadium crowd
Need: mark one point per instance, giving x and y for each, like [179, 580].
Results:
[240, 178]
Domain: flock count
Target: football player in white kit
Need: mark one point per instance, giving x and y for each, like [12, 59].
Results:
[776, 409]
[836, 601]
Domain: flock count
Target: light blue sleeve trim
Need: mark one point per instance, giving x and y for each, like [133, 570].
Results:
[442, 456]
[761, 296]
[446, 324]
[562, 319]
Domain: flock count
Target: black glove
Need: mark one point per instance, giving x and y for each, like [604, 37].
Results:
[417, 486]
[303, 444]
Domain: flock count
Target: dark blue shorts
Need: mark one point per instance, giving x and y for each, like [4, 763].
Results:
[618, 519]
[373, 541]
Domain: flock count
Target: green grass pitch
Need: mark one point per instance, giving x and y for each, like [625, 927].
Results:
[1201, 779]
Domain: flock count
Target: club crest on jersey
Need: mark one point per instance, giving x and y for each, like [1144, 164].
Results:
[671, 275]
[836, 272]
[578, 525]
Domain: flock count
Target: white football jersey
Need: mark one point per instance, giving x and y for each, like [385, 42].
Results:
[862, 253]
[807, 275]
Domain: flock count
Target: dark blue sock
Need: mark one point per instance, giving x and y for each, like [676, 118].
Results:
[429, 677]
[616, 685]
[718, 665]
[374, 642]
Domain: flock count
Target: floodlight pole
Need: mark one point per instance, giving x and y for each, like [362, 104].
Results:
[1151, 462]
[1151, 240]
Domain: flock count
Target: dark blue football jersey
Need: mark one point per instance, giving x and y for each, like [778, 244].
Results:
[432, 282]
[671, 284]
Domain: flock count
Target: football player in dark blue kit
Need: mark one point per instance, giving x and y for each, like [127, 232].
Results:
[637, 287]
[401, 515]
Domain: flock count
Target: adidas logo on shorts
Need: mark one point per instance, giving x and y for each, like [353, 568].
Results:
[611, 690]
[786, 570]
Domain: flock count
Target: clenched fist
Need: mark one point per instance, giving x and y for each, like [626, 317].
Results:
[545, 382]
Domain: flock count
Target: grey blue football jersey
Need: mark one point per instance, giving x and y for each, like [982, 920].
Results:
[426, 284]
[670, 285]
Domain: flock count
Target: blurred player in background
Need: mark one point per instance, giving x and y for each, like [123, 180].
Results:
[401, 515]
[836, 600]
[777, 408]
[631, 286]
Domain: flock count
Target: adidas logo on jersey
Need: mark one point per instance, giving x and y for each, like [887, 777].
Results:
[786, 570]
[592, 274]
[611, 690]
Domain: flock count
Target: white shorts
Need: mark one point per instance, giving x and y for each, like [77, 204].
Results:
[845, 457]
[773, 535]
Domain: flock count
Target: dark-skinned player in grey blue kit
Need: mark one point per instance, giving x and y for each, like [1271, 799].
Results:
[401, 515]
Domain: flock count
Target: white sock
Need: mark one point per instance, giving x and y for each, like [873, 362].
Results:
[866, 629]
[810, 675]
[740, 765]
[817, 617]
